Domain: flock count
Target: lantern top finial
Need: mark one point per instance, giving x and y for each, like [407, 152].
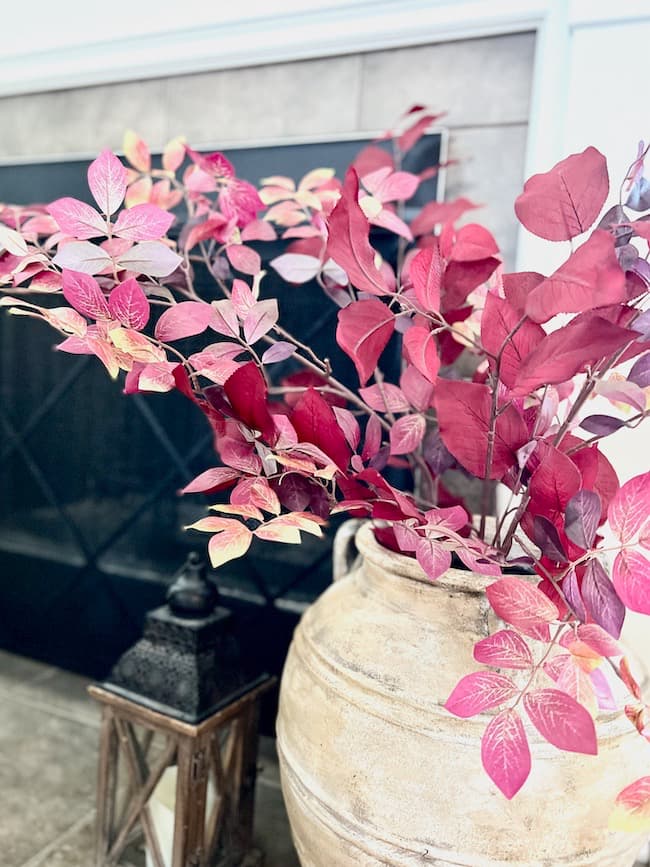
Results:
[192, 594]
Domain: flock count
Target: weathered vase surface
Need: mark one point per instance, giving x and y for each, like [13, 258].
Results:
[376, 772]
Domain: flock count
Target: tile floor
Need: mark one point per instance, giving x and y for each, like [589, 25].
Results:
[48, 760]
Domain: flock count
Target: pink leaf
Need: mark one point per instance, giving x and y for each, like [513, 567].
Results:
[597, 639]
[185, 319]
[242, 298]
[348, 241]
[590, 277]
[296, 267]
[390, 186]
[523, 606]
[436, 213]
[500, 335]
[244, 259]
[260, 320]
[385, 398]
[129, 305]
[505, 753]
[477, 562]
[565, 201]
[631, 575]
[82, 256]
[364, 329]
[420, 347]
[83, 293]
[143, 223]
[280, 351]
[258, 230]
[601, 599]
[562, 721]
[414, 133]
[136, 151]
[473, 242]
[604, 696]
[464, 410]
[406, 434]
[225, 320]
[629, 511]
[349, 425]
[151, 258]
[372, 440]
[107, 181]
[432, 557]
[570, 350]
[417, 388]
[479, 691]
[504, 649]
[77, 219]
[426, 271]
[209, 481]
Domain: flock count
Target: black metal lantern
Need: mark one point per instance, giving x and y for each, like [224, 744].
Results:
[178, 750]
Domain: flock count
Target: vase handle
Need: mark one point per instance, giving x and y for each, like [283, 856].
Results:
[344, 550]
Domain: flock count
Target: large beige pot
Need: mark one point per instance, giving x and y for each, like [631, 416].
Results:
[375, 771]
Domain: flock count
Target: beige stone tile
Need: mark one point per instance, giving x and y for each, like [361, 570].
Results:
[17, 670]
[477, 81]
[305, 98]
[60, 693]
[490, 172]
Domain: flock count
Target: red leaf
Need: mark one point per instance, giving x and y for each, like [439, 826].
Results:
[631, 575]
[348, 241]
[425, 272]
[416, 388]
[209, 481]
[77, 219]
[569, 350]
[406, 434]
[504, 649]
[590, 277]
[498, 321]
[185, 319]
[473, 242]
[629, 511]
[435, 213]
[464, 419]
[316, 423]
[421, 350]
[562, 721]
[523, 606]
[461, 278]
[601, 599]
[143, 223]
[247, 393]
[518, 286]
[505, 752]
[129, 305]
[479, 691]
[432, 557]
[107, 181]
[555, 480]
[363, 331]
[82, 292]
[565, 201]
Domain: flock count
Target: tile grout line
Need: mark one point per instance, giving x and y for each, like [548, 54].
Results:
[50, 709]
[37, 859]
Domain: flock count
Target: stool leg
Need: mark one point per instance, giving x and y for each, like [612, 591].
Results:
[106, 786]
[191, 793]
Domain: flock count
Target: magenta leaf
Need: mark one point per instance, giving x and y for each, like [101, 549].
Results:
[77, 219]
[280, 351]
[436, 213]
[260, 319]
[464, 410]
[316, 423]
[406, 434]
[107, 181]
[385, 397]
[523, 606]
[505, 753]
[562, 721]
[473, 242]
[640, 373]
[421, 349]
[348, 241]
[432, 557]
[629, 511]
[151, 258]
[590, 277]
[209, 481]
[185, 319]
[502, 334]
[364, 329]
[83, 293]
[631, 575]
[129, 305]
[477, 562]
[372, 439]
[143, 223]
[417, 389]
[565, 201]
[426, 270]
[571, 591]
[247, 392]
[601, 425]
[503, 649]
[547, 539]
[479, 691]
[604, 696]
[82, 256]
[582, 517]
[601, 599]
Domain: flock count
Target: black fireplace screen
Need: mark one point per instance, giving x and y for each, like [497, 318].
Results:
[90, 520]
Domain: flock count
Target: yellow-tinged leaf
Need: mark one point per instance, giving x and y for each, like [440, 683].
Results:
[278, 181]
[309, 200]
[278, 533]
[136, 151]
[139, 192]
[230, 544]
[12, 241]
[370, 206]
[242, 511]
[315, 178]
[136, 345]
[174, 154]
[302, 466]
[632, 810]
[211, 525]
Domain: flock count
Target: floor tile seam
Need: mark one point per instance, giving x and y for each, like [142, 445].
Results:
[50, 709]
[37, 859]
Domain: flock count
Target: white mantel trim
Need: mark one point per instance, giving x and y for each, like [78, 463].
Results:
[318, 30]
